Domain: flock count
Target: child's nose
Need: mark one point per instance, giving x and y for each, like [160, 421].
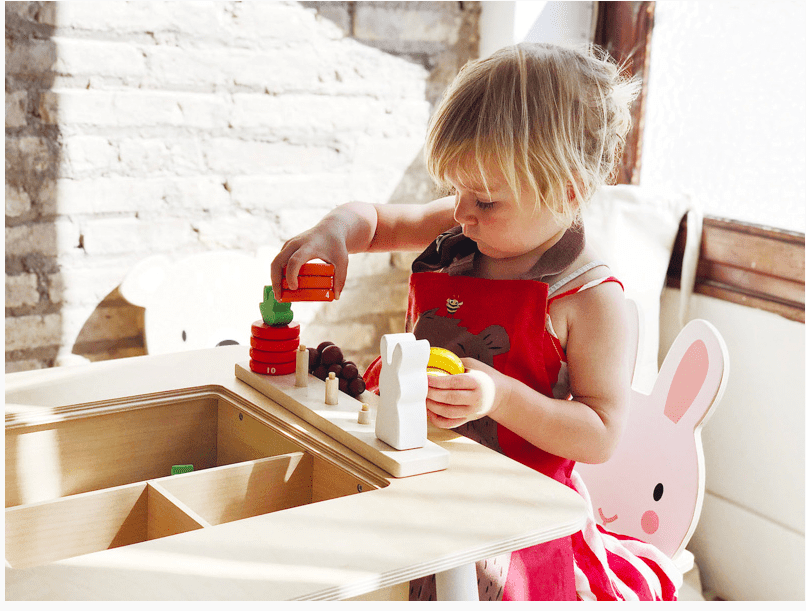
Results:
[463, 210]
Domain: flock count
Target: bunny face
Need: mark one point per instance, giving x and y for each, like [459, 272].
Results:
[656, 475]
[651, 488]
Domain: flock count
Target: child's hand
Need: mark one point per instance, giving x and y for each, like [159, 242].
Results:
[324, 241]
[456, 399]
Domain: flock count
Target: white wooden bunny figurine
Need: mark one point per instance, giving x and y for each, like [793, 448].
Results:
[402, 421]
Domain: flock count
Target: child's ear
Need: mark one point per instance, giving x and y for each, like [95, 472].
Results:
[571, 199]
[570, 194]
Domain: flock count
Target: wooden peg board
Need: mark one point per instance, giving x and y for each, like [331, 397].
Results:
[341, 422]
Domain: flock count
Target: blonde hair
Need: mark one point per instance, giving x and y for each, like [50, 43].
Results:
[546, 116]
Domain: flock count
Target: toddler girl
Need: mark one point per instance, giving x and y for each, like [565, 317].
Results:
[522, 139]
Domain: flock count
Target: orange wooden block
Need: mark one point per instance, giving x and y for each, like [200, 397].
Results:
[261, 356]
[316, 269]
[311, 282]
[308, 295]
[263, 331]
[279, 369]
[274, 345]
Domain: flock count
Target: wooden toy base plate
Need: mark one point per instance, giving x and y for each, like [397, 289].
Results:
[341, 422]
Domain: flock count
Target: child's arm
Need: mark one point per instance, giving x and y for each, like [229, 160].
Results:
[360, 227]
[584, 429]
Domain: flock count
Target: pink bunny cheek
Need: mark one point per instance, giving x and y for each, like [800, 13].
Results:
[650, 522]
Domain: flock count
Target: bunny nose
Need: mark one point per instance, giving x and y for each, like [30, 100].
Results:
[650, 522]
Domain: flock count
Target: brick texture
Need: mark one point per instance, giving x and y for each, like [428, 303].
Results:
[141, 128]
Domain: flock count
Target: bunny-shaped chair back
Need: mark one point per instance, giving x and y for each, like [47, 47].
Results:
[653, 485]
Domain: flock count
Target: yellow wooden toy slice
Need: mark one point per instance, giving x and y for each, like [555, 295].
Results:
[442, 362]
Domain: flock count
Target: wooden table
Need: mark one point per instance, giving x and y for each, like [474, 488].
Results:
[86, 455]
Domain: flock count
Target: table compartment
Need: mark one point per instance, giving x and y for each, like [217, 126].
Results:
[47, 531]
[76, 455]
[44, 532]
[244, 490]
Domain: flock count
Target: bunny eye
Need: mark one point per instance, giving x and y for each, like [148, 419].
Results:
[657, 492]
[184, 336]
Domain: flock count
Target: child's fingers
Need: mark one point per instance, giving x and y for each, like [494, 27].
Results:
[484, 392]
[449, 397]
[473, 391]
[339, 279]
[447, 410]
[444, 423]
[458, 381]
[340, 261]
[277, 266]
[452, 390]
[292, 267]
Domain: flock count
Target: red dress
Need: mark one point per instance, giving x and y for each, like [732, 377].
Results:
[502, 323]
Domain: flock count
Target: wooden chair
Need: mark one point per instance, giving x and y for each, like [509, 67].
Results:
[200, 301]
[653, 486]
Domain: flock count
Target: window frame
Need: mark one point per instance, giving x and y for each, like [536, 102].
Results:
[756, 266]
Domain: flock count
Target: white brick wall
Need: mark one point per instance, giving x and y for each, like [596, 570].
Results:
[136, 128]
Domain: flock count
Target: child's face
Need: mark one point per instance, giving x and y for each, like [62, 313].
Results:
[501, 228]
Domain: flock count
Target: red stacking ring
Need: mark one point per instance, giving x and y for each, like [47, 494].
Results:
[261, 356]
[263, 331]
[278, 369]
[270, 345]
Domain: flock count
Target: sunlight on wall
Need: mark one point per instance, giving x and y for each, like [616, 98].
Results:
[725, 114]
[561, 23]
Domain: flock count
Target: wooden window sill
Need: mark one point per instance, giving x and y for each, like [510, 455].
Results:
[747, 264]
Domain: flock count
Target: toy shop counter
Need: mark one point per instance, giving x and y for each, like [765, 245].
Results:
[264, 505]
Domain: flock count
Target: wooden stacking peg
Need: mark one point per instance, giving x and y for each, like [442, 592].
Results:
[364, 414]
[302, 367]
[331, 389]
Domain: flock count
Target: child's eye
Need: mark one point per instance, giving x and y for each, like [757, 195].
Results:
[484, 205]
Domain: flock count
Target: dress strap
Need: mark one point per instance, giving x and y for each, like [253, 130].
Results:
[561, 283]
[585, 287]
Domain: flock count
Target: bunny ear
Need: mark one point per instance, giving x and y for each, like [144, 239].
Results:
[390, 341]
[698, 360]
[410, 354]
[687, 381]
[145, 279]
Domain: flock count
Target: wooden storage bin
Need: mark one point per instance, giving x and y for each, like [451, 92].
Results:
[84, 523]
[132, 444]
[234, 492]
[47, 531]
[77, 485]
